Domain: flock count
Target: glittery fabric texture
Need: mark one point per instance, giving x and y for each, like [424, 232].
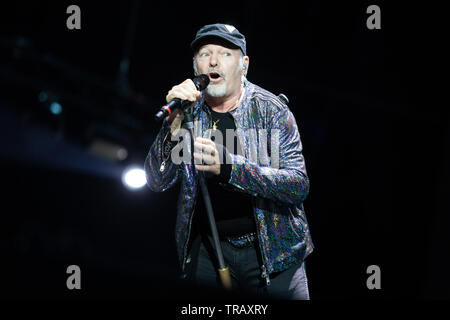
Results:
[277, 181]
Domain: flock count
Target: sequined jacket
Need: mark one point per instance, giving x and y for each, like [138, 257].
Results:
[277, 192]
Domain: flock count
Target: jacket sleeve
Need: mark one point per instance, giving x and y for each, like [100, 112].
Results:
[288, 182]
[161, 173]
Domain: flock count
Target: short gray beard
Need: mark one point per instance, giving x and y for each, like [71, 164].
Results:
[217, 90]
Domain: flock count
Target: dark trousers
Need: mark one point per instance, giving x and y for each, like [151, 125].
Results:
[245, 269]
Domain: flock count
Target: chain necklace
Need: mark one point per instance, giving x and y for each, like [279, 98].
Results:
[214, 126]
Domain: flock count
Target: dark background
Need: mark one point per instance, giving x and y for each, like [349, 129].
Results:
[376, 145]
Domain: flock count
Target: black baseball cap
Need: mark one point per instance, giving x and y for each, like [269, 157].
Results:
[223, 31]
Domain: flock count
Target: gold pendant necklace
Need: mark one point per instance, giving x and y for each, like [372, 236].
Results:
[214, 126]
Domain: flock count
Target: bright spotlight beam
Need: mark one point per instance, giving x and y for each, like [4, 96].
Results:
[134, 178]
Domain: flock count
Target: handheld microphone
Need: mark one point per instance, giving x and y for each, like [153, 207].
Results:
[201, 82]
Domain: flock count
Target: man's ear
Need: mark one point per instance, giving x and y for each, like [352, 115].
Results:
[245, 65]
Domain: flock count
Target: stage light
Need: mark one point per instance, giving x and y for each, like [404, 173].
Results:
[108, 150]
[43, 96]
[134, 178]
[55, 108]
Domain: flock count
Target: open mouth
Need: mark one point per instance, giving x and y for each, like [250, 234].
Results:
[214, 76]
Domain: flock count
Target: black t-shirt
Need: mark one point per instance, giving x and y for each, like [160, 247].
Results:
[232, 209]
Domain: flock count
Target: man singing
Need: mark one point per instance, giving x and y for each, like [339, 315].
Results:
[257, 202]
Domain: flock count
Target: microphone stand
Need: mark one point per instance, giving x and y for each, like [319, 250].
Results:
[224, 272]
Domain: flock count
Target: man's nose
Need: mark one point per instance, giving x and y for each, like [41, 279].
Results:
[213, 61]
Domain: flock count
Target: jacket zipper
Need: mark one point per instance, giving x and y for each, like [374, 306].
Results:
[190, 223]
[163, 163]
[265, 272]
[189, 235]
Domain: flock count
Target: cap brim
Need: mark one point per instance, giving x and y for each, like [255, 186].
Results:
[198, 42]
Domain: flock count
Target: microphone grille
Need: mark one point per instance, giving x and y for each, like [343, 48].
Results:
[201, 81]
